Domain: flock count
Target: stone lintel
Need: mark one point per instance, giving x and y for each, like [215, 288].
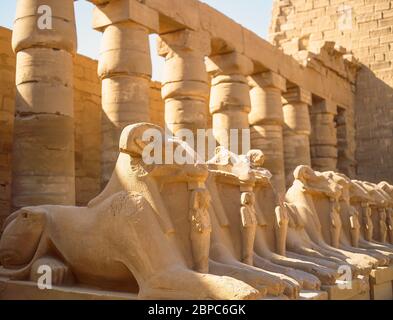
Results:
[229, 63]
[198, 41]
[268, 79]
[296, 95]
[123, 11]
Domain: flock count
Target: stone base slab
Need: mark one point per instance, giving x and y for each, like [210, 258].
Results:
[340, 292]
[362, 296]
[22, 290]
[383, 291]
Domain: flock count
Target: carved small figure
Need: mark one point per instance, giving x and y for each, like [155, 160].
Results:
[367, 221]
[390, 223]
[281, 226]
[336, 223]
[249, 225]
[355, 226]
[383, 228]
[200, 229]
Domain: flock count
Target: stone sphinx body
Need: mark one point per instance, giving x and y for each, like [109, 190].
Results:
[155, 231]
[230, 188]
[319, 222]
[271, 237]
[374, 206]
[293, 255]
[124, 239]
[388, 189]
[235, 222]
[351, 236]
[380, 207]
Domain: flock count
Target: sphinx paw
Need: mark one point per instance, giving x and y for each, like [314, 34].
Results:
[50, 271]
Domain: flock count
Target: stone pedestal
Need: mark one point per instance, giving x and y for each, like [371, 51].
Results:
[185, 85]
[381, 283]
[125, 69]
[43, 148]
[324, 152]
[297, 130]
[230, 99]
[266, 123]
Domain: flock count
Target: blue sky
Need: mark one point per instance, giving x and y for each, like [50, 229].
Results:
[253, 14]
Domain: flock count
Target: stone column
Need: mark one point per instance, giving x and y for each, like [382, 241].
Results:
[266, 121]
[125, 69]
[44, 40]
[229, 98]
[185, 86]
[297, 130]
[323, 138]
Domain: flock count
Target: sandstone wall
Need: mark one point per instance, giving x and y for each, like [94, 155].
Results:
[366, 28]
[87, 108]
[7, 105]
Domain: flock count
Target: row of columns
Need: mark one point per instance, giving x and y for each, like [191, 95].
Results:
[277, 116]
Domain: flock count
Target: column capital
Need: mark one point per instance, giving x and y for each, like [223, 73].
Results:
[228, 64]
[268, 79]
[125, 11]
[296, 95]
[324, 106]
[184, 40]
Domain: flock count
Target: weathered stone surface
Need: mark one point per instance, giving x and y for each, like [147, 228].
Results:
[364, 29]
[43, 149]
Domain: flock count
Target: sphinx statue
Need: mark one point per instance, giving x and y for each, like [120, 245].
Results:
[379, 211]
[274, 232]
[361, 200]
[312, 190]
[231, 184]
[352, 238]
[125, 239]
[386, 187]
[271, 218]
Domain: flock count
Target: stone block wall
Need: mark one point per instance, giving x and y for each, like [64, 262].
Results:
[7, 105]
[366, 28]
[87, 109]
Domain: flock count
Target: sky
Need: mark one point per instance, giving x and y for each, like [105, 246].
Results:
[252, 14]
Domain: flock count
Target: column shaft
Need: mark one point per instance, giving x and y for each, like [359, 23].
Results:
[297, 130]
[229, 99]
[323, 136]
[266, 122]
[43, 149]
[185, 86]
[125, 69]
